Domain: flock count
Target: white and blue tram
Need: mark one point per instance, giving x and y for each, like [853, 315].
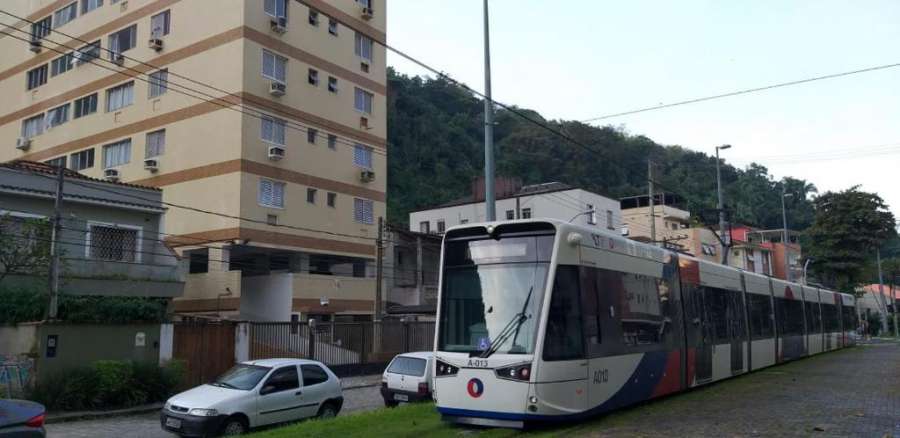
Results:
[542, 320]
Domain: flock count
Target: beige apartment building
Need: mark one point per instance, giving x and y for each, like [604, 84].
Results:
[270, 114]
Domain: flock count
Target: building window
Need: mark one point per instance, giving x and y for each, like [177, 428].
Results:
[313, 77]
[364, 211]
[311, 195]
[40, 29]
[424, 227]
[332, 84]
[57, 162]
[120, 97]
[332, 26]
[609, 220]
[273, 130]
[156, 143]
[37, 77]
[274, 66]
[362, 156]
[332, 199]
[363, 47]
[62, 64]
[82, 160]
[510, 215]
[85, 105]
[117, 154]
[159, 24]
[592, 215]
[563, 340]
[363, 102]
[276, 8]
[271, 193]
[87, 53]
[57, 116]
[113, 243]
[365, 3]
[122, 41]
[311, 135]
[158, 83]
[313, 17]
[65, 15]
[33, 126]
[441, 226]
[90, 5]
[332, 141]
[526, 213]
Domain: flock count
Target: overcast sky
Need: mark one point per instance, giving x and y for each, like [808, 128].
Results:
[578, 59]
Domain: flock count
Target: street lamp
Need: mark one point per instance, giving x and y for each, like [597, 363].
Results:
[784, 235]
[721, 206]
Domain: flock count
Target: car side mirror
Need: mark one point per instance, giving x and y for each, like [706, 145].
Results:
[267, 389]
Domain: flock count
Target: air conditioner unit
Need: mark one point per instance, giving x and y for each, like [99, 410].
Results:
[23, 143]
[276, 152]
[151, 164]
[111, 174]
[278, 25]
[364, 66]
[35, 46]
[364, 122]
[366, 175]
[155, 44]
[277, 88]
[366, 13]
[118, 58]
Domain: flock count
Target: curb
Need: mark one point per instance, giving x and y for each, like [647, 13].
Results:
[364, 385]
[94, 415]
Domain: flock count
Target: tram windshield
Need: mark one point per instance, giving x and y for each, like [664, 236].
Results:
[492, 293]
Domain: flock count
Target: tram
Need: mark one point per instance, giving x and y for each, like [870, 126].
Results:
[542, 320]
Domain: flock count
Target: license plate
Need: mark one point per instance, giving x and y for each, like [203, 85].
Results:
[174, 423]
[401, 397]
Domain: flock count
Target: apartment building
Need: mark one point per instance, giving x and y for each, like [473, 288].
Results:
[264, 123]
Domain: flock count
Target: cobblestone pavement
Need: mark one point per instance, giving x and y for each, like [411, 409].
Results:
[147, 425]
[848, 393]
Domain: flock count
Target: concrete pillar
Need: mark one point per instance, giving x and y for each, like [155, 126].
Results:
[241, 342]
[166, 342]
[420, 276]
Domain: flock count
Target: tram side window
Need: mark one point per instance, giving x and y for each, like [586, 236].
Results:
[790, 316]
[642, 311]
[830, 318]
[717, 312]
[760, 316]
[563, 340]
[590, 311]
[850, 322]
[813, 321]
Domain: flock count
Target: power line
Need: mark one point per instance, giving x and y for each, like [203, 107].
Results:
[740, 92]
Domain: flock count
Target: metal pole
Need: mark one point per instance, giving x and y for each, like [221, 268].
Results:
[652, 210]
[726, 236]
[784, 237]
[894, 305]
[53, 308]
[379, 267]
[881, 289]
[490, 211]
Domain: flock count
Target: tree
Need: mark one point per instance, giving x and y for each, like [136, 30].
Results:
[24, 246]
[847, 229]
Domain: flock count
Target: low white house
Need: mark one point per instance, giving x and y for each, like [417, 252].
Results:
[549, 200]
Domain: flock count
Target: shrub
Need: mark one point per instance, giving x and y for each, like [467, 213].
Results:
[21, 304]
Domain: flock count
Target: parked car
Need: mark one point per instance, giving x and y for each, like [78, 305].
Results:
[255, 393]
[407, 378]
[21, 419]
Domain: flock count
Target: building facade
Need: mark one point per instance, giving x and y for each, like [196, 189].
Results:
[109, 243]
[263, 121]
[412, 262]
[549, 200]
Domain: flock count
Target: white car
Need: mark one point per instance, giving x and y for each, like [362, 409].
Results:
[255, 393]
[407, 378]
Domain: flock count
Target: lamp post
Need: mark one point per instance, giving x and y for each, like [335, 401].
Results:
[721, 206]
[784, 235]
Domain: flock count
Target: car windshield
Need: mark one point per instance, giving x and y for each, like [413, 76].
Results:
[409, 366]
[242, 376]
[491, 287]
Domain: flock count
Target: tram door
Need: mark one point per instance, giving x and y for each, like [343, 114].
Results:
[736, 331]
[697, 325]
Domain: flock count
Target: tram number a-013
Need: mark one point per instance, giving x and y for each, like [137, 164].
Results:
[601, 376]
[478, 363]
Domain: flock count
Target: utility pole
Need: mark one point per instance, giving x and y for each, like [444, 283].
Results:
[652, 210]
[726, 236]
[784, 235]
[490, 211]
[379, 267]
[52, 311]
[881, 288]
[894, 304]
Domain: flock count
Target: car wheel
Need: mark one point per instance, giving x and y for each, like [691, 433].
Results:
[327, 411]
[391, 403]
[234, 426]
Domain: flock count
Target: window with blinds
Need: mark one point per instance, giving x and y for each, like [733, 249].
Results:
[363, 211]
[362, 156]
[273, 130]
[271, 193]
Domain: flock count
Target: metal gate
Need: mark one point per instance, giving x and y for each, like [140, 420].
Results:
[206, 347]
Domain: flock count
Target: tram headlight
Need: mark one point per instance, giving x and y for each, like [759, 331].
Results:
[515, 372]
[444, 369]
